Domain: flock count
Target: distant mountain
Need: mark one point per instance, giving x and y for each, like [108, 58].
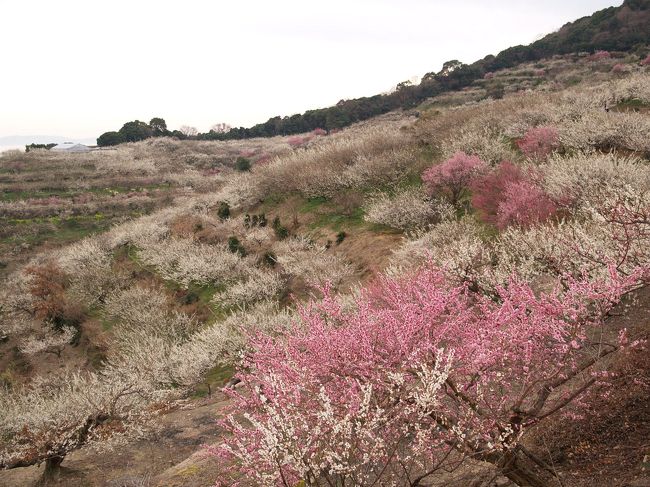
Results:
[20, 140]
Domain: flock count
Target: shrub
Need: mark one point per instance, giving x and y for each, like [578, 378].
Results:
[453, 176]
[280, 231]
[235, 246]
[319, 132]
[340, 237]
[270, 259]
[539, 142]
[496, 91]
[619, 68]
[298, 141]
[406, 210]
[488, 75]
[646, 61]
[600, 55]
[223, 211]
[484, 142]
[309, 261]
[259, 285]
[488, 190]
[524, 204]
[243, 164]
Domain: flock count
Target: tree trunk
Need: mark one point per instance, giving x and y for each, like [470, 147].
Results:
[52, 468]
[514, 469]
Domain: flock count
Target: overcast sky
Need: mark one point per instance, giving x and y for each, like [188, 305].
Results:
[82, 67]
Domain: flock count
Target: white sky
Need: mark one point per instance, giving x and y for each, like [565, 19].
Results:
[82, 67]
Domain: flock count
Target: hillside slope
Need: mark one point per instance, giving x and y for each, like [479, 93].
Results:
[164, 304]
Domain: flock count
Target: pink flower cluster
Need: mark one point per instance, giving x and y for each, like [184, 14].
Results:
[619, 68]
[539, 142]
[319, 132]
[454, 175]
[600, 55]
[263, 158]
[524, 204]
[417, 367]
[299, 141]
[506, 196]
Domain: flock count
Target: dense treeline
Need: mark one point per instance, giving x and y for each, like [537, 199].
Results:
[29, 147]
[624, 28]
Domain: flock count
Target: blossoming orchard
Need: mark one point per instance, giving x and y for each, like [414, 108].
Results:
[450, 294]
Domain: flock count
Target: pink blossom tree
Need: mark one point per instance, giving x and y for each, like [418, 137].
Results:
[524, 204]
[600, 55]
[263, 158]
[298, 140]
[454, 175]
[488, 189]
[417, 376]
[539, 142]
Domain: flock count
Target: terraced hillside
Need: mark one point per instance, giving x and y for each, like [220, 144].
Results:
[140, 281]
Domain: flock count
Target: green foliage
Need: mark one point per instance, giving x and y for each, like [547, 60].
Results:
[312, 204]
[280, 231]
[135, 131]
[216, 377]
[337, 221]
[235, 246]
[223, 212]
[158, 127]
[109, 138]
[189, 297]
[243, 164]
[38, 146]
[269, 259]
[255, 220]
[340, 237]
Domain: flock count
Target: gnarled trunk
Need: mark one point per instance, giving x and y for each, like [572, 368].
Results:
[52, 468]
[515, 469]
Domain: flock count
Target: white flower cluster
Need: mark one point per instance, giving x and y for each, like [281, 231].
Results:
[311, 262]
[258, 285]
[88, 265]
[345, 444]
[49, 341]
[454, 245]
[483, 142]
[187, 261]
[407, 209]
